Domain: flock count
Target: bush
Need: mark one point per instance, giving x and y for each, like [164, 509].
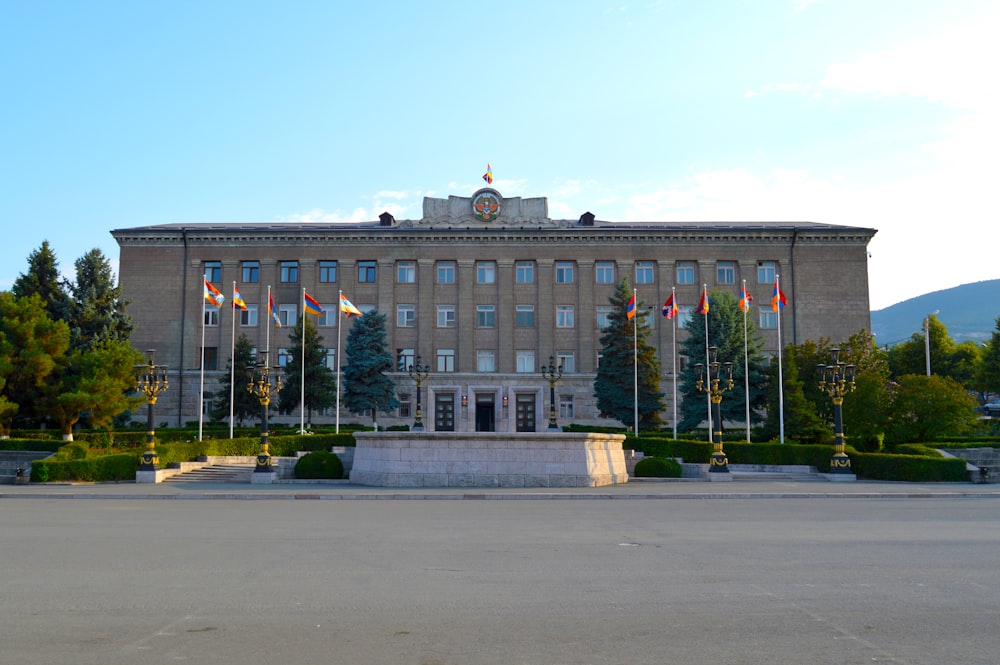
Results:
[94, 469]
[319, 464]
[909, 468]
[657, 467]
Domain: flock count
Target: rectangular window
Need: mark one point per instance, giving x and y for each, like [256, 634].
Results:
[685, 272]
[406, 272]
[211, 316]
[564, 272]
[248, 316]
[446, 316]
[684, 314]
[524, 316]
[406, 316]
[284, 357]
[367, 272]
[643, 272]
[213, 271]
[251, 272]
[446, 272]
[524, 272]
[327, 272]
[725, 272]
[404, 360]
[288, 315]
[566, 406]
[486, 316]
[405, 407]
[768, 319]
[564, 316]
[604, 272]
[328, 319]
[604, 316]
[767, 272]
[486, 361]
[288, 271]
[446, 360]
[525, 361]
[566, 360]
[486, 272]
[330, 360]
[211, 357]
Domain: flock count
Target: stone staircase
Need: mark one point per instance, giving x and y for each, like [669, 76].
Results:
[12, 460]
[774, 472]
[215, 473]
[983, 464]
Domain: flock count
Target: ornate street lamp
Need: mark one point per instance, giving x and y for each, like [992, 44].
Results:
[712, 384]
[150, 380]
[419, 374]
[552, 374]
[836, 380]
[262, 383]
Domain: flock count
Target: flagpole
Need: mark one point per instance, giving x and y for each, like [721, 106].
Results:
[302, 368]
[340, 325]
[708, 364]
[232, 364]
[673, 344]
[201, 381]
[781, 384]
[635, 363]
[746, 357]
[270, 315]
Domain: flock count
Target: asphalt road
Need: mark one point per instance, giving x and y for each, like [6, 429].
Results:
[435, 582]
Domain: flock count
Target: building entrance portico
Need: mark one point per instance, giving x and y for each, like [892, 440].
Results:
[486, 412]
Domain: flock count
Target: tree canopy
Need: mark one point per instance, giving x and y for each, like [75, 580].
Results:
[367, 387]
[320, 381]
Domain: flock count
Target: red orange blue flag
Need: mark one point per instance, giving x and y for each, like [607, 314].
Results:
[274, 311]
[311, 305]
[745, 299]
[238, 302]
[703, 303]
[347, 307]
[630, 308]
[778, 300]
[670, 307]
[213, 296]
[488, 176]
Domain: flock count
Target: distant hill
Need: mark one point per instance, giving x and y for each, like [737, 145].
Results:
[969, 311]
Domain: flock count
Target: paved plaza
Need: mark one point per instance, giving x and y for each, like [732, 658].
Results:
[741, 573]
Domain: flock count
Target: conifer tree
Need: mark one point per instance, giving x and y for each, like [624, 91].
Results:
[367, 388]
[96, 310]
[245, 405]
[42, 279]
[321, 382]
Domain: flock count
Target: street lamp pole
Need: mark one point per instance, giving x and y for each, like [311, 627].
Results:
[927, 340]
[552, 374]
[263, 385]
[713, 386]
[150, 380]
[419, 374]
[836, 380]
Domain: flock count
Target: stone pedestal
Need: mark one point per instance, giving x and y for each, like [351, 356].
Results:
[488, 459]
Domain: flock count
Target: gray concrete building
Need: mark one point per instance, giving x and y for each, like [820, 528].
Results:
[484, 289]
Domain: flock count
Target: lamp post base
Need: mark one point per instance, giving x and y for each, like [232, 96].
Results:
[149, 461]
[264, 464]
[718, 463]
[840, 463]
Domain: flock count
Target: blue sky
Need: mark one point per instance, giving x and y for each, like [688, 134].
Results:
[875, 113]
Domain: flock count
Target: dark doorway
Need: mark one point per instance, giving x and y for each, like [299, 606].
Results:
[525, 411]
[485, 412]
[444, 412]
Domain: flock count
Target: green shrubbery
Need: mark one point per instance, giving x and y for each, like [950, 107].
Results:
[657, 467]
[108, 468]
[319, 464]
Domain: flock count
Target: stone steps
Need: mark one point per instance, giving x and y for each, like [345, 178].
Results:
[215, 473]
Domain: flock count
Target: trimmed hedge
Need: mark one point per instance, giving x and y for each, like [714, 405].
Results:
[910, 468]
[657, 467]
[319, 464]
[93, 469]
[40, 445]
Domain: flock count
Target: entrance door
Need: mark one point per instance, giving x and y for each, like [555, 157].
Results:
[444, 412]
[485, 412]
[525, 411]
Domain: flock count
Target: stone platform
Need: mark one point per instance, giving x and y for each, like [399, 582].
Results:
[488, 459]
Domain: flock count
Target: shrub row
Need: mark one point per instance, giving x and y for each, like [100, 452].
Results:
[910, 468]
[94, 469]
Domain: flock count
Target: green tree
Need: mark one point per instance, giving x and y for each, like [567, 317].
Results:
[367, 388]
[988, 367]
[245, 405]
[924, 407]
[43, 279]
[320, 381]
[626, 355]
[866, 408]
[96, 310]
[725, 331]
[802, 421]
[910, 357]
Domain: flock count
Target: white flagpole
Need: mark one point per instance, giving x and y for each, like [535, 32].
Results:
[708, 365]
[746, 359]
[781, 383]
[673, 344]
[302, 368]
[635, 362]
[340, 325]
[201, 382]
[232, 365]
[270, 316]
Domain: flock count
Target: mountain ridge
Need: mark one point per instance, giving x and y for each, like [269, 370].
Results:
[969, 311]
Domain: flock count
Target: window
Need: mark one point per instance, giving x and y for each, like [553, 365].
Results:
[525, 360]
[405, 406]
[564, 272]
[486, 272]
[768, 319]
[248, 317]
[566, 360]
[564, 316]
[406, 316]
[364, 309]
[446, 360]
[446, 316]
[327, 272]
[287, 315]
[725, 272]
[604, 316]
[524, 316]
[684, 314]
[284, 357]
[211, 316]
[486, 316]
[330, 360]
[643, 272]
[210, 357]
[524, 272]
[406, 272]
[288, 271]
[486, 361]
[404, 359]
[367, 272]
[604, 272]
[565, 406]
[328, 319]
[446, 272]
[685, 272]
[767, 272]
[213, 271]
[251, 271]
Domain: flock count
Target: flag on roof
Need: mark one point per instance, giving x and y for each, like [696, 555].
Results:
[347, 307]
[488, 176]
[311, 305]
[213, 296]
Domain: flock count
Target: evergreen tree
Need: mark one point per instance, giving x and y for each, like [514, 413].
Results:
[802, 423]
[625, 352]
[96, 311]
[725, 330]
[321, 382]
[366, 386]
[42, 279]
[245, 405]
[988, 368]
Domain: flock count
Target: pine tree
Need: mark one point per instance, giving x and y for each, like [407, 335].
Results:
[321, 382]
[42, 279]
[366, 386]
[245, 405]
[96, 311]
[622, 354]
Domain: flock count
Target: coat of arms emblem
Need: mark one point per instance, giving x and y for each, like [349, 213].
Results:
[486, 205]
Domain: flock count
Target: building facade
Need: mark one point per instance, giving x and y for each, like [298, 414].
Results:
[483, 289]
